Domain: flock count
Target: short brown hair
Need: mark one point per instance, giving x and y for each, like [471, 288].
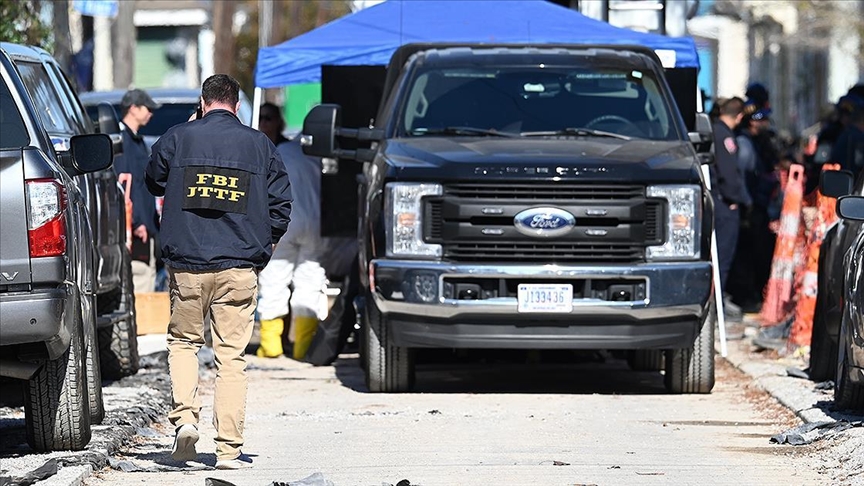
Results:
[732, 106]
[220, 88]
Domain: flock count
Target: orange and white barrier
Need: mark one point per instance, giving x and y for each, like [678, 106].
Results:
[802, 328]
[778, 301]
[125, 180]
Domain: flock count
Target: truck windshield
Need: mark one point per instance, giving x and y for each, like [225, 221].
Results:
[538, 101]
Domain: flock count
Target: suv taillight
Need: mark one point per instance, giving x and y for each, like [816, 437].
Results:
[45, 226]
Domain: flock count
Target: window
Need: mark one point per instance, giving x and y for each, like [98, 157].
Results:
[11, 124]
[46, 100]
[530, 98]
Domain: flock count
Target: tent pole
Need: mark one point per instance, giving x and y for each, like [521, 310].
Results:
[256, 107]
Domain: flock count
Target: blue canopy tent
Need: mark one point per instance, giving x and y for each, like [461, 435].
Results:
[370, 36]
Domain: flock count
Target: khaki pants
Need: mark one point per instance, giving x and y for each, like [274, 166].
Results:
[230, 297]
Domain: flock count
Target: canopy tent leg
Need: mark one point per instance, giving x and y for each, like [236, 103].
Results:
[256, 106]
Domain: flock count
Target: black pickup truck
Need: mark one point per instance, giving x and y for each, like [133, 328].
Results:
[530, 197]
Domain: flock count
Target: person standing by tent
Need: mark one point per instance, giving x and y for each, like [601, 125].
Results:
[296, 262]
[227, 202]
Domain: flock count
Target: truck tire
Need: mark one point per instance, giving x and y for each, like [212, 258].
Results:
[56, 408]
[646, 359]
[691, 370]
[118, 344]
[847, 395]
[389, 368]
[94, 373]
[823, 350]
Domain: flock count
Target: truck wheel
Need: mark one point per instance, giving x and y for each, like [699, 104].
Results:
[94, 373]
[691, 370]
[118, 344]
[823, 351]
[646, 359]
[847, 395]
[56, 408]
[389, 368]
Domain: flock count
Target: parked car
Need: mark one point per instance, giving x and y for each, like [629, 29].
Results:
[849, 383]
[177, 105]
[829, 302]
[64, 116]
[48, 273]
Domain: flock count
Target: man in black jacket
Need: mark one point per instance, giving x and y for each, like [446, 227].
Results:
[227, 202]
[137, 107]
[727, 187]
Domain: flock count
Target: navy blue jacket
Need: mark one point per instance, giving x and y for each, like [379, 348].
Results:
[227, 195]
[133, 161]
[726, 183]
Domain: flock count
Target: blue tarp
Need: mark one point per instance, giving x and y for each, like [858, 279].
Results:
[370, 36]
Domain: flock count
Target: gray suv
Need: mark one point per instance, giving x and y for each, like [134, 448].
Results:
[64, 116]
[47, 271]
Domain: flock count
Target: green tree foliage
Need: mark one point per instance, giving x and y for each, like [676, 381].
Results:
[290, 19]
[20, 23]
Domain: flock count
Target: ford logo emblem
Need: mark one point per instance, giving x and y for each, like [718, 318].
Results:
[544, 222]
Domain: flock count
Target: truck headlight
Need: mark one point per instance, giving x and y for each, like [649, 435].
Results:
[403, 217]
[683, 225]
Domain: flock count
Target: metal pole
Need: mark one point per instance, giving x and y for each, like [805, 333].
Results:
[715, 274]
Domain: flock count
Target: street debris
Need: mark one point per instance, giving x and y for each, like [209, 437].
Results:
[46, 470]
[797, 373]
[811, 432]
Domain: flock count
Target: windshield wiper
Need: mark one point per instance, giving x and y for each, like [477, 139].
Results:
[584, 132]
[461, 131]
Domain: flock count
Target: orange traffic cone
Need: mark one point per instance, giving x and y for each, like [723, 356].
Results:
[778, 291]
[802, 328]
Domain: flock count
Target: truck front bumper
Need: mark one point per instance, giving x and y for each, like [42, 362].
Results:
[665, 309]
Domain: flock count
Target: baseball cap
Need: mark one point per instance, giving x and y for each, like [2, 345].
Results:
[138, 97]
[850, 103]
[755, 112]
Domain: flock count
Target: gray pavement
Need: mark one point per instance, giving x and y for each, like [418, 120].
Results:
[304, 419]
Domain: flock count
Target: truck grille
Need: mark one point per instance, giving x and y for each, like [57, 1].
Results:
[474, 223]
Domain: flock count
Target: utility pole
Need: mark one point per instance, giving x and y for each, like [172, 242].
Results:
[103, 64]
[124, 37]
[223, 27]
[62, 36]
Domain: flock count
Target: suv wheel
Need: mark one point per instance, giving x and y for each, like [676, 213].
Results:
[118, 344]
[94, 374]
[823, 352]
[56, 408]
[388, 368]
[847, 395]
[691, 370]
[646, 359]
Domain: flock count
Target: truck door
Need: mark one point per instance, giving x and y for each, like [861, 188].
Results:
[358, 89]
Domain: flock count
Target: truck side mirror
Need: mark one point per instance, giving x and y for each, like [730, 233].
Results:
[108, 122]
[91, 153]
[703, 137]
[319, 131]
[835, 183]
[851, 207]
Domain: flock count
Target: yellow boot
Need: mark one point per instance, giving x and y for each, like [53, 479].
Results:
[271, 338]
[304, 331]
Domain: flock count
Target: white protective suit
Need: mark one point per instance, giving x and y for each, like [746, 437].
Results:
[298, 254]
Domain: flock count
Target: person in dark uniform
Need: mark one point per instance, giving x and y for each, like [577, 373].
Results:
[227, 202]
[848, 151]
[137, 110]
[727, 187]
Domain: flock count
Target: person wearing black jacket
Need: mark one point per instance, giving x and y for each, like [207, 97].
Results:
[137, 109]
[727, 186]
[227, 203]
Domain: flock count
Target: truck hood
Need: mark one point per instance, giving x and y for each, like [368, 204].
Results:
[571, 158]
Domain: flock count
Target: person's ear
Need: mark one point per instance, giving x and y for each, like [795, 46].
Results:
[237, 108]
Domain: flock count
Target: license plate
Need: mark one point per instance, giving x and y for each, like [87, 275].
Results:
[545, 298]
